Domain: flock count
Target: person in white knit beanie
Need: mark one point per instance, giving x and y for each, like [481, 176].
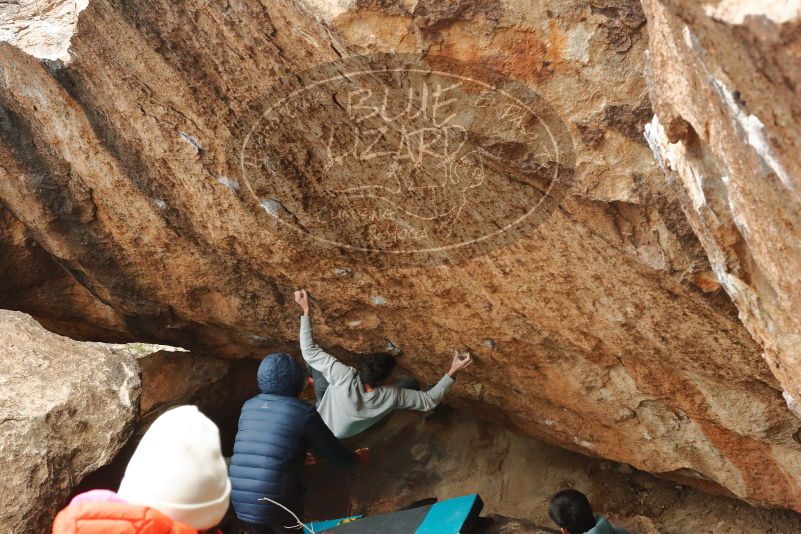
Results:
[178, 469]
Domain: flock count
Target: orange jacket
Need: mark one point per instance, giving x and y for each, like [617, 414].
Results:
[100, 517]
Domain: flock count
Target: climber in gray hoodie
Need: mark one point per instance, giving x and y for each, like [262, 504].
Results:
[352, 401]
[571, 510]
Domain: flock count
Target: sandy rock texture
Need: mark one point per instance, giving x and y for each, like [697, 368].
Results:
[66, 409]
[475, 177]
[217, 387]
[71, 413]
[42, 28]
[34, 282]
[724, 82]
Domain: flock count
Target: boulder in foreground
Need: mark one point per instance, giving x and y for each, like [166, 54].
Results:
[66, 408]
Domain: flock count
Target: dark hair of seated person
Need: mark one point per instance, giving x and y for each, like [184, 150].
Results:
[571, 510]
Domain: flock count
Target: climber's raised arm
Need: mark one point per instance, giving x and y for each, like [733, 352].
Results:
[332, 369]
[424, 401]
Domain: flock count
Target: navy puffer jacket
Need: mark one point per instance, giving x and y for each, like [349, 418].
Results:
[275, 431]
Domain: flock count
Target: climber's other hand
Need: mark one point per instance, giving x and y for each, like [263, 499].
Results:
[460, 361]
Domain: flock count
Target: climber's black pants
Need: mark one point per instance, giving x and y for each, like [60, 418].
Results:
[260, 529]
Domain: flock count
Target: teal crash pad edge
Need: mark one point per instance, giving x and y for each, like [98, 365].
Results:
[451, 515]
[321, 526]
[447, 517]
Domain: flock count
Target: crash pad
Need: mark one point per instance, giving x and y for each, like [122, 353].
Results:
[451, 516]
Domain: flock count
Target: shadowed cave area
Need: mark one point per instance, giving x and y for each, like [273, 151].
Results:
[442, 453]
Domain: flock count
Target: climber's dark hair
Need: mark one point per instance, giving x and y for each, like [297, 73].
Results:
[376, 368]
[571, 510]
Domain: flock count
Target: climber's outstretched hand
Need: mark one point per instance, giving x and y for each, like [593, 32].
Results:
[459, 362]
[302, 298]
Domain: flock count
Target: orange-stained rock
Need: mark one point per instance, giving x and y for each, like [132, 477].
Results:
[723, 79]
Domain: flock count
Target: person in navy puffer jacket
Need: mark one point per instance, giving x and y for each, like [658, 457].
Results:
[275, 431]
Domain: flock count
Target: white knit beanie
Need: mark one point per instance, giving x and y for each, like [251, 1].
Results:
[179, 470]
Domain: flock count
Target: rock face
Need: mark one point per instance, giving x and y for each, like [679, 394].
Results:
[31, 278]
[218, 387]
[69, 408]
[172, 378]
[43, 28]
[723, 80]
[449, 453]
[66, 408]
[475, 178]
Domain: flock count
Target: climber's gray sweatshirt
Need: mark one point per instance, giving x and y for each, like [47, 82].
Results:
[346, 407]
